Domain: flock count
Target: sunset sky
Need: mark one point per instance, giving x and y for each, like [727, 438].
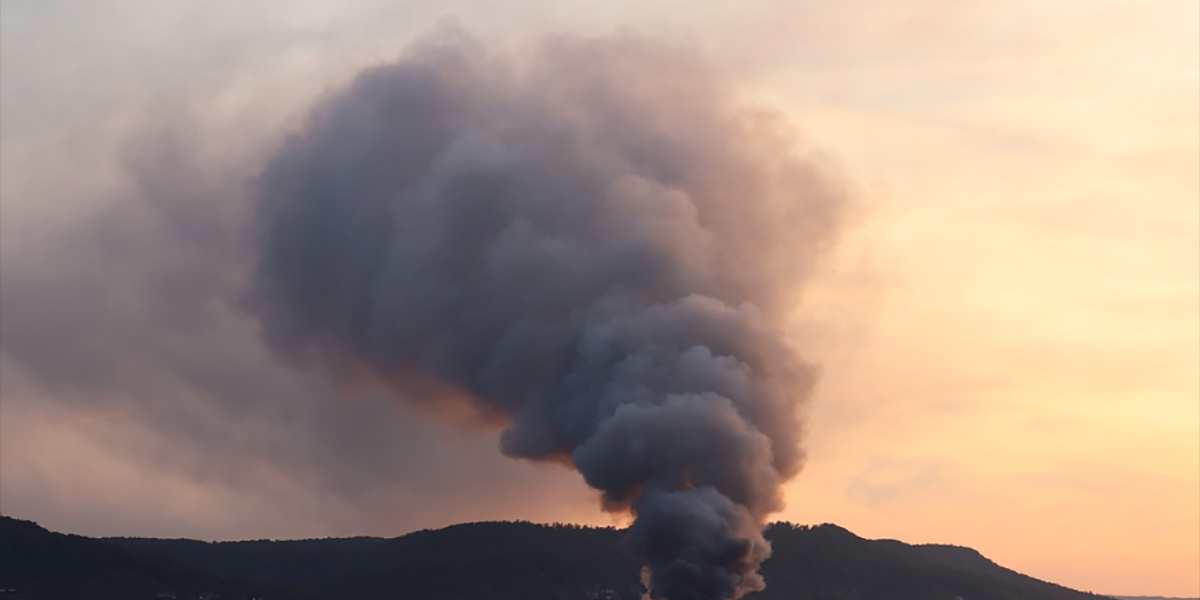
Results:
[1008, 329]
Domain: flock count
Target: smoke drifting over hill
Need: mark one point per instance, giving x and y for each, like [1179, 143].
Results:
[593, 246]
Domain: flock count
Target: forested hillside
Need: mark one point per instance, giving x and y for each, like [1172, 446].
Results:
[480, 561]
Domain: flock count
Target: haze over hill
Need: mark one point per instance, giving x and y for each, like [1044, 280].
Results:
[1153, 598]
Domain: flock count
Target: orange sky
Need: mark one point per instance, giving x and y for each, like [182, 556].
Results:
[1028, 380]
[1010, 334]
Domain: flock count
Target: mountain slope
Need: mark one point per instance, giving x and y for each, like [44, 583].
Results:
[486, 561]
[830, 562]
[36, 564]
[498, 561]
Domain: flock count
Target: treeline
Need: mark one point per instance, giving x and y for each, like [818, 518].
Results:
[485, 561]
[36, 564]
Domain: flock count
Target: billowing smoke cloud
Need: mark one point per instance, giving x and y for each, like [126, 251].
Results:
[592, 246]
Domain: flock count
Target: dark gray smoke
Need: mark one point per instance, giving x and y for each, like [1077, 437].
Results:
[594, 247]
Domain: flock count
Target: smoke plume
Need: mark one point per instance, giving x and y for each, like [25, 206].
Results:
[593, 246]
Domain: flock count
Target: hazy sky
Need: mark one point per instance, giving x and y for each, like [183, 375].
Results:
[1009, 332]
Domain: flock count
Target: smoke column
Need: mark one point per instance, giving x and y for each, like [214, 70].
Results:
[593, 246]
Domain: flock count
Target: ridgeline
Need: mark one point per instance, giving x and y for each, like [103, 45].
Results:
[480, 561]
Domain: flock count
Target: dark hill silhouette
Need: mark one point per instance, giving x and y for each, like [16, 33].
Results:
[829, 562]
[485, 561]
[36, 564]
[502, 561]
